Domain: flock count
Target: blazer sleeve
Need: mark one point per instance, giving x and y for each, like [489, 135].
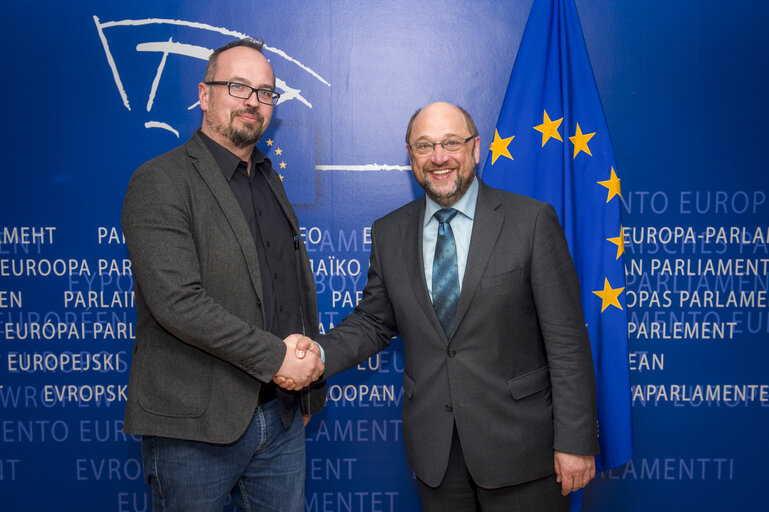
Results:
[369, 328]
[556, 292]
[157, 221]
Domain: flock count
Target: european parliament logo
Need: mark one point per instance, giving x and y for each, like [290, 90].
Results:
[150, 64]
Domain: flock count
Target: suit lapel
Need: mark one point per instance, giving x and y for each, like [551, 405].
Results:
[487, 225]
[411, 241]
[209, 170]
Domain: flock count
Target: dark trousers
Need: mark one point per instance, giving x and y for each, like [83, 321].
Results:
[459, 493]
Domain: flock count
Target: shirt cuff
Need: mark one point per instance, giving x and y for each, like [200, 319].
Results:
[322, 353]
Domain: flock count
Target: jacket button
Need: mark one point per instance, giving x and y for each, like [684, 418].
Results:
[258, 302]
[449, 408]
[452, 352]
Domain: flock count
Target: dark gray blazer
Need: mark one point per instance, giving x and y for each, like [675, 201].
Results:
[516, 373]
[201, 353]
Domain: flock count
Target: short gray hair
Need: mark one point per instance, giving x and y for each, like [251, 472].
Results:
[246, 41]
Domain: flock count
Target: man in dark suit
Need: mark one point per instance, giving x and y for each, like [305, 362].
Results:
[221, 280]
[499, 393]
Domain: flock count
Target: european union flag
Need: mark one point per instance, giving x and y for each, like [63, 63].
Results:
[552, 143]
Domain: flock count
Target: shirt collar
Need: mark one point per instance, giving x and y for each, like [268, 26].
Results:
[228, 161]
[465, 205]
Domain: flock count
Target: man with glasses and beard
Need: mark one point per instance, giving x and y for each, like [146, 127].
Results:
[499, 406]
[222, 279]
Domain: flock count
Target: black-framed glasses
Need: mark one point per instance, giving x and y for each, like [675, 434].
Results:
[424, 148]
[243, 92]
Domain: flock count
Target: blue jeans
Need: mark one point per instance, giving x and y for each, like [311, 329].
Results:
[264, 470]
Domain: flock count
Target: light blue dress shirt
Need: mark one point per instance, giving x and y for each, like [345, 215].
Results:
[461, 225]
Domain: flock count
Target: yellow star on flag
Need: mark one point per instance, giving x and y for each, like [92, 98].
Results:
[499, 147]
[269, 142]
[619, 241]
[609, 295]
[549, 129]
[281, 177]
[580, 142]
[278, 151]
[613, 185]
[283, 165]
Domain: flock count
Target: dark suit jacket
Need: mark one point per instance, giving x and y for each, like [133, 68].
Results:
[201, 353]
[516, 373]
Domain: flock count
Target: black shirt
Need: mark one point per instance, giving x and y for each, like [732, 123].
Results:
[276, 243]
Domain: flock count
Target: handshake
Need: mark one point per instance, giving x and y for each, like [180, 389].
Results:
[302, 365]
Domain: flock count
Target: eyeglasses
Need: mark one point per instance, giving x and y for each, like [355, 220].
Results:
[243, 91]
[424, 148]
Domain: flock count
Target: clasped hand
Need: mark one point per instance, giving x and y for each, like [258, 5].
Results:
[302, 364]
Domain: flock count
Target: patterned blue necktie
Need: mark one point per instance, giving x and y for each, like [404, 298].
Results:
[445, 273]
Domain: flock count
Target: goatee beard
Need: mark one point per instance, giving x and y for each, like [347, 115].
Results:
[243, 138]
[443, 198]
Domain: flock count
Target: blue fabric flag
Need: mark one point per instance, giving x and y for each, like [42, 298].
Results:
[552, 143]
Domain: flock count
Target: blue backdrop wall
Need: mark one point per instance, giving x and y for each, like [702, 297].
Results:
[92, 89]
